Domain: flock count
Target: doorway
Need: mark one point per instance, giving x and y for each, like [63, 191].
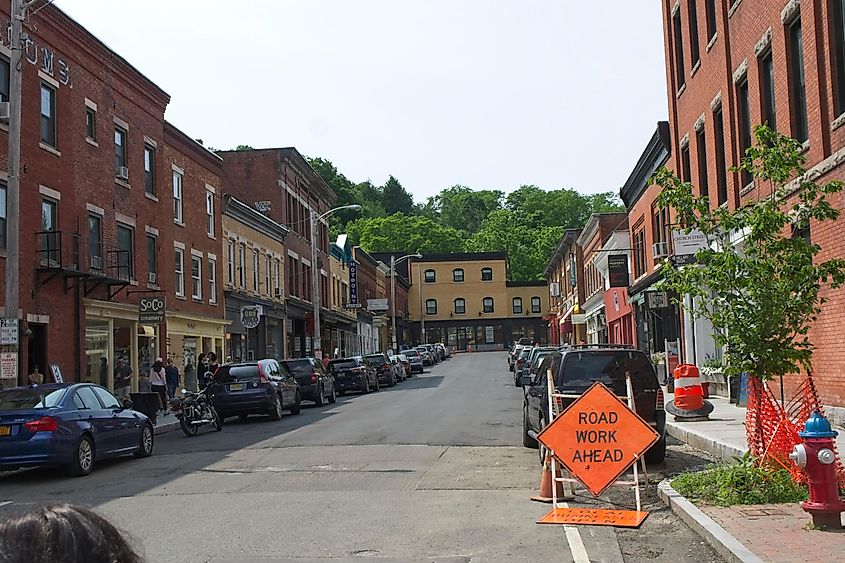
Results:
[37, 350]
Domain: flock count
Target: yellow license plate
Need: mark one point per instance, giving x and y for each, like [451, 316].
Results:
[236, 387]
[5, 430]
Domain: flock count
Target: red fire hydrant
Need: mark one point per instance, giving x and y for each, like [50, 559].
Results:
[816, 456]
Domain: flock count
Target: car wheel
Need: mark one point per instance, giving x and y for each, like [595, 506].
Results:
[145, 447]
[527, 440]
[297, 404]
[276, 411]
[333, 396]
[190, 430]
[83, 458]
[366, 385]
[378, 385]
[657, 453]
[391, 381]
[243, 418]
[319, 397]
[341, 393]
[542, 448]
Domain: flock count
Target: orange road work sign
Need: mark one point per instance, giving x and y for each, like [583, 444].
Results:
[594, 517]
[597, 438]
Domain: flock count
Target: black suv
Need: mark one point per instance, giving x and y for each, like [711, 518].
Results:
[315, 383]
[261, 387]
[384, 368]
[576, 368]
[353, 374]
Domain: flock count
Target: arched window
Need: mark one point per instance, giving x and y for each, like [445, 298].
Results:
[458, 275]
[460, 306]
[430, 276]
[486, 274]
[431, 306]
[517, 305]
[487, 303]
[535, 304]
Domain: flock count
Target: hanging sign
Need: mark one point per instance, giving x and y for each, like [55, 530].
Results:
[9, 332]
[617, 266]
[151, 310]
[377, 305]
[353, 282]
[251, 315]
[688, 243]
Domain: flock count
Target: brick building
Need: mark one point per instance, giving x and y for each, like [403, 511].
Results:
[370, 338]
[96, 168]
[732, 64]
[565, 278]
[403, 285]
[343, 338]
[286, 185]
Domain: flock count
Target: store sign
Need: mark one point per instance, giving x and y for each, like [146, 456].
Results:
[353, 282]
[151, 310]
[9, 332]
[40, 56]
[688, 243]
[251, 315]
[682, 259]
[617, 266]
[579, 318]
[657, 299]
[377, 305]
[263, 206]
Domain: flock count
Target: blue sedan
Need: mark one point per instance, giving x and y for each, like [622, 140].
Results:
[70, 425]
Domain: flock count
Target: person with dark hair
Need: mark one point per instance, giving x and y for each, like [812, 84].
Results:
[63, 533]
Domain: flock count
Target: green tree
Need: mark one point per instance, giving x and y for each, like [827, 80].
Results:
[395, 199]
[462, 208]
[244, 148]
[400, 231]
[759, 281]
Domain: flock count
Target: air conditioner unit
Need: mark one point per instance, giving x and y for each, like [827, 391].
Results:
[278, 292]
[660, 249]
[96, 262]
[5, 111]
[152, 277]
[122, 173]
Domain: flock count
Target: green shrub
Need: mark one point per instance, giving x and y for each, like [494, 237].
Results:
[742, 482]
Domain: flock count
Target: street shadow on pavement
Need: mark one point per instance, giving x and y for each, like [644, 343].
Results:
[429, 382]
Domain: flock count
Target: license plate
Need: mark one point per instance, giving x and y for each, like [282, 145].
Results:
[236, 387]
[5, 430]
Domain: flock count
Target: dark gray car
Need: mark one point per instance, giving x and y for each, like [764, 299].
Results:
[315, 383]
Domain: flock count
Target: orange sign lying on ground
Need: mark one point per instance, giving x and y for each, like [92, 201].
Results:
[594, 517]
[598, 438]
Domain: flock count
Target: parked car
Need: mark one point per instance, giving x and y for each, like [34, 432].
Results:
[435, 351]
[399, 368]
[405, 363]
[441, 349]
[68, 425]
[535, 357]
[315, 383]
[384, 368]
[576, 368]
[521, 358]
[512, 355]
[353, 374]
[415, 360]
[446, 352]
[426, 356]
[258, 387]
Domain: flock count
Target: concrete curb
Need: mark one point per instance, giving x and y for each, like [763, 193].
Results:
[730, 548]
[163, 428]
[703, 442]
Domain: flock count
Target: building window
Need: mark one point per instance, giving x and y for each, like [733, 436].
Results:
[277, 278]
[460, 306]
[535, 304]
[692, 15]
[660, 230]
[209, 213]
[91, 123]
[292, 287]
[486, 274]
[196, 277]
[268, 274]
[3, 215]
[710, 7]
[680, 75]
[177, 197]
[430, 276]
[458, 275]
[838, 49]
[639, 253]
[95, 242]
[685, 163]
[767, 90]
[50, 227]
[230, 262]
[430, 306]
[4, 79]
[701, 150]
[212, 281]
[517, 305]
[180, 272]
[744, 116]
[242, 265]
[119, 151]
[149, 170]
[256, 263]
[487, 305]
[125, 252]
[305, 278]
[152, 260]
[797, 92]
[721, 167]
[48, 115]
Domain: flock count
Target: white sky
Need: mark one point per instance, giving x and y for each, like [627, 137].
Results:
[487, 93]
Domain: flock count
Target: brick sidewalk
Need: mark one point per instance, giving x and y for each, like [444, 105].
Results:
[778, 532]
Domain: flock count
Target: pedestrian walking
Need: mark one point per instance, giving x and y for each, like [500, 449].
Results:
[63, 533]
[326, 361]
[158, 383]
[172, 374]
[122, 379]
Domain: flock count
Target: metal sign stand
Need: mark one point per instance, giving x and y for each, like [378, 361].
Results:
[630, 389]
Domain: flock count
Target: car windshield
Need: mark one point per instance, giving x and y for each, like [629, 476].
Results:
[346, 363]
[377, 360]
[22, 399]
[299, 367]
[412, 353]
[581, 369]
[228, 374]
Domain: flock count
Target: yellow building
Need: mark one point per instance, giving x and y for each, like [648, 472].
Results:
[465, 301]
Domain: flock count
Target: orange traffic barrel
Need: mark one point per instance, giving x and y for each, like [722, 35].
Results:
[689, 395]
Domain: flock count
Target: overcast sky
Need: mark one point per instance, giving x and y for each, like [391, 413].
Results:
[486, 93]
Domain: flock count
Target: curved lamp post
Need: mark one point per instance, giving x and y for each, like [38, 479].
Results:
[393, 262]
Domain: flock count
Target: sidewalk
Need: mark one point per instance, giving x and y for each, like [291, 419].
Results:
[774, 532]
[166, 424]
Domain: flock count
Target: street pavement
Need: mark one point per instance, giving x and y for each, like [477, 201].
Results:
[430, 470]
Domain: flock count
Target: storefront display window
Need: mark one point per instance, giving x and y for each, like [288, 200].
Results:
[97, 368]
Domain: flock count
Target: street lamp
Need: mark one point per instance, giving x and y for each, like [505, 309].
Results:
[315, 273]
[393, 262]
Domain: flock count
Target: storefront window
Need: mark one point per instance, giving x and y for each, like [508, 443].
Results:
[122, 334]
[147, 348]
[97, 353]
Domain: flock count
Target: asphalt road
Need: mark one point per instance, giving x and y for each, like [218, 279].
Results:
[430, 470]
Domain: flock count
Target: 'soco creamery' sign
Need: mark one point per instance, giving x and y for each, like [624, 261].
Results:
[598, 438]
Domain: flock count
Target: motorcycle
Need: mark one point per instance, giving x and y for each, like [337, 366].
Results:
[195, 409]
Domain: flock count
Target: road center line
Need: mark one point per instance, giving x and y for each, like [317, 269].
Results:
[576, 545]
[5, 503]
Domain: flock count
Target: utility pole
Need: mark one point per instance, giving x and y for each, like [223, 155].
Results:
[13, 183]
[316, 341]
